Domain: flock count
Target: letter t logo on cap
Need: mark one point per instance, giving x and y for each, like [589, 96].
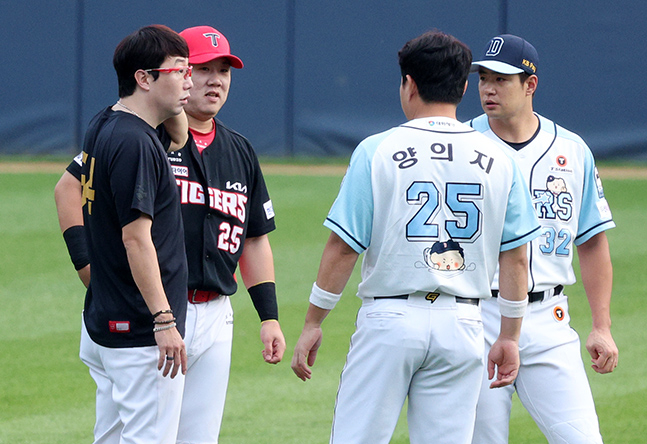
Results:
[214, 38]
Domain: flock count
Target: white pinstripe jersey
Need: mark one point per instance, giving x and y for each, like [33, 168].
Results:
[432, 202]
[560, 173]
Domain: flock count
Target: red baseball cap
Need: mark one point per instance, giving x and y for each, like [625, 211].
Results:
[206, 43]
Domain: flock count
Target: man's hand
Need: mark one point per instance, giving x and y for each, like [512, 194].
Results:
[274, 341]
[172, 352]
[603, 350]
[504, 355]
[305, 351]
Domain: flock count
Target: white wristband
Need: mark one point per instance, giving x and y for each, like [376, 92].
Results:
[512, 309]
[322, 298]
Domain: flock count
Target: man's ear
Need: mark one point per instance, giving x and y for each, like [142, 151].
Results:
[143, 79]
[465, 89]
[410, 87]
[531, 85]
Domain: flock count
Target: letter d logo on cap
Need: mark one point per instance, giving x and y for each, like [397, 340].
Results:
[495, 47]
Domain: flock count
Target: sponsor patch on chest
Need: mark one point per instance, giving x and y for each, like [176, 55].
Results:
[561, 165]
[181, 171]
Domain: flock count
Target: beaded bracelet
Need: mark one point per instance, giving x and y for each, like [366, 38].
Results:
[166, 327]
[170, 321]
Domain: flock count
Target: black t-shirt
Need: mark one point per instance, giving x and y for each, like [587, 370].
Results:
[124, 173]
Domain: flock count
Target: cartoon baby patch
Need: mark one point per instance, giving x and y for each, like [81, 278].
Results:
[447, 256]
[553, 201]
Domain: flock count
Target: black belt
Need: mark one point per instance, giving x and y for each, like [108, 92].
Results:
[460, 300]
[537, 295]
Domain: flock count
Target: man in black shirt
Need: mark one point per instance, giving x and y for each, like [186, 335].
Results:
[227, 215]
[135, 305]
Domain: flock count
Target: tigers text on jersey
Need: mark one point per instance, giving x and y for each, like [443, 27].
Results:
[432, 202]
[224, 200]
[566, 190]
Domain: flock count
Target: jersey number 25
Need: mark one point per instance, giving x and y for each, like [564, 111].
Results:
[459, 199]
[229, 237]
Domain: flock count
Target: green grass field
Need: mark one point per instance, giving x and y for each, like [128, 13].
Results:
[47, 395]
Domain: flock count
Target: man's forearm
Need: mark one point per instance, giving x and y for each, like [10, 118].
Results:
[513, 274]
[178, 129]
[513, 287]
[597, 278]
[337, 263]
[257, 261]
[69, 203]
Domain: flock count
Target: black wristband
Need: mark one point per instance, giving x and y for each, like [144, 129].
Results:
[264, 298]
[77, 246]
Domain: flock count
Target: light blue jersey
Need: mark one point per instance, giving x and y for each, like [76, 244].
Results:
[560, 174]
[431, 203]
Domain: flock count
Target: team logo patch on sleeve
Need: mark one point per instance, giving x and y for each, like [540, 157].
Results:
[598, 183]
[603, 208]
[269, 209]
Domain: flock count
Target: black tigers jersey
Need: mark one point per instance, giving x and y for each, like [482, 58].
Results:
[224, 201]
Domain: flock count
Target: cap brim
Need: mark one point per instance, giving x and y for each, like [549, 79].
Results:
[493, 65]
[204, 58]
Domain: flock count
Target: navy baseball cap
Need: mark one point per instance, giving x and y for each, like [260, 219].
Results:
[508, 54]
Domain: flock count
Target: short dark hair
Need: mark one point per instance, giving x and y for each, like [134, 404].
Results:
[439, 64]
[524, 76]
[145, 48]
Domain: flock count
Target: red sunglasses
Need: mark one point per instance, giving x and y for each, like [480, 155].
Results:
[185, 71]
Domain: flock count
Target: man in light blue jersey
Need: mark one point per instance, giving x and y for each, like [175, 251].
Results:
[568, 198]
[433, 205]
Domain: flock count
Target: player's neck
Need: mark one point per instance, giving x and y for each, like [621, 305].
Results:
[516, 129]
[133, 105]
[422, 110]
[202, 126]
[145, 105]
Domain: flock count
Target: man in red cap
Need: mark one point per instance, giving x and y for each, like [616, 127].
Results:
[227, 215]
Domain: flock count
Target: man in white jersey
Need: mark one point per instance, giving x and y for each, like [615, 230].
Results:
[567, 194]
[424, 202]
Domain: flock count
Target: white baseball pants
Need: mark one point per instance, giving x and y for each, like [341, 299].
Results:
[430, 352]
[208, 339]
[552, 383]
[135, 404]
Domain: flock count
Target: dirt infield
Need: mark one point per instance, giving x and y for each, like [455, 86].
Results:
[606, 172]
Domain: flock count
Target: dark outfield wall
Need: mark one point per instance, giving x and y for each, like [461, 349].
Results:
[320, 76]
